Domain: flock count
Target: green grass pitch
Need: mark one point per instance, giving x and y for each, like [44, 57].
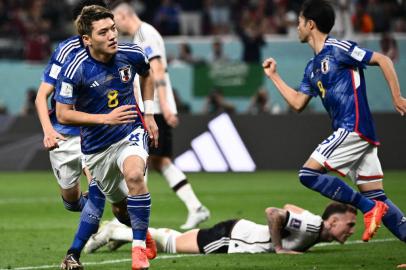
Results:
[36, 230]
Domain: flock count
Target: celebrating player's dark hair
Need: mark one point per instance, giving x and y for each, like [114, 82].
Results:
[321, 12]
[89, 15]
[77, 9]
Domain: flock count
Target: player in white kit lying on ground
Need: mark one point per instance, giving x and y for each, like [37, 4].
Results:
[289, 230]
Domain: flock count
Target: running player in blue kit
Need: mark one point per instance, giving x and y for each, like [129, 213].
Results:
[63, 144]
[336, 74]
[95, 91]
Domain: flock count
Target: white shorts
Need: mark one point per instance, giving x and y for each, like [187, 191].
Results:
[66, 162]
[107, 166]
[348, 154]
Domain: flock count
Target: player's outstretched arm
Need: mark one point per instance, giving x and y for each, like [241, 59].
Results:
[388, 70]
[296, 100]
[147, 91]
[51, 136]
[276, 218]
[121, 115]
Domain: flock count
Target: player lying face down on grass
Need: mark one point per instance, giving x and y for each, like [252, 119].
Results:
[290, 230]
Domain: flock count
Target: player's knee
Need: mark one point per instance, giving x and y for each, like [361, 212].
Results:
[134, 176]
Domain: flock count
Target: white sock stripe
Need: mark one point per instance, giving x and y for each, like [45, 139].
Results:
[138, 206]
[140, 196]
[308, 172]
[137, 198]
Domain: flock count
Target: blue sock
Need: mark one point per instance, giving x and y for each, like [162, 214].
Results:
[334, 188]
[89, 219]
[75, 206]
[139, 208]
[394, 219]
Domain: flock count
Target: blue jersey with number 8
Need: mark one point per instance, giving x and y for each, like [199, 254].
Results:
[98, 88]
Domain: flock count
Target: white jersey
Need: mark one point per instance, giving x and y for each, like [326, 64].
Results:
[149, 39]
[300, 233]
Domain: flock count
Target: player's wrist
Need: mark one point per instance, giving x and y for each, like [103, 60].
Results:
[148, 107]
[104, 119]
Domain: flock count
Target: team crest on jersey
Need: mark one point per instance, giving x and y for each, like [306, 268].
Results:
[325, 65]
[125, 73]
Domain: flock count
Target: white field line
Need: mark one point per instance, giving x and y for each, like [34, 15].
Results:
[102, 262]
[163, 257]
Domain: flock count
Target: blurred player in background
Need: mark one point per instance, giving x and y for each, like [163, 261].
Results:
[291, 230]
[165, 110]
[63, 143]
[336, 74]
[95, 91]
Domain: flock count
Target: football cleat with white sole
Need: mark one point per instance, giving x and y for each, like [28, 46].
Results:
[70, 262]
[195, 218]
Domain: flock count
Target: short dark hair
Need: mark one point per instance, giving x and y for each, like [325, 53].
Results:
[89, 15]
[338, 208]
[321, 12]
[77, 9]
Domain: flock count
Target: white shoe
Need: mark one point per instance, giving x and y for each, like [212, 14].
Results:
[101, 238]
[195, 218]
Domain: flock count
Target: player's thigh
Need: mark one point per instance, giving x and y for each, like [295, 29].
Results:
[66, 162]
[367, 173]
[340, 151]
[187, 242]
[108, 177]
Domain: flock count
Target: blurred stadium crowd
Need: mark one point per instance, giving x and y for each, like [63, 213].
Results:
[29, 28]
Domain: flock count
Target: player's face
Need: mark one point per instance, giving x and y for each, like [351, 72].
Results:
[104, 36]
[303, 29]
[343, 226]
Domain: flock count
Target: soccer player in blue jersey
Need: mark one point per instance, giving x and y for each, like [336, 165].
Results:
[63, 143]
[336, 74]
[95, 91]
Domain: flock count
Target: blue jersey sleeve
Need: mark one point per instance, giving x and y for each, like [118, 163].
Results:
[354, 56]
[305, 85]
[66, 91]
[52, 70]
[63, 51]
[136, 57]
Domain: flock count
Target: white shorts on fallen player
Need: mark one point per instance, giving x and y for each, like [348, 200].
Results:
[348, 154]
[66, 161]
[107, 166]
